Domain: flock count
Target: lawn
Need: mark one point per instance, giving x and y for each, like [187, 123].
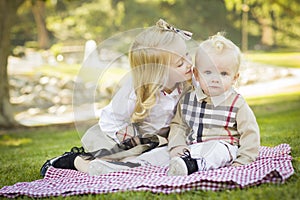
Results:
[25, 150]
[281, 59]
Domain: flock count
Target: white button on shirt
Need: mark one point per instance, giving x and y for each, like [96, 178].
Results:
[116, 115]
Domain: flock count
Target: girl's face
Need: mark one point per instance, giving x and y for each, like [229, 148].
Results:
[181, 63]
[215, 74]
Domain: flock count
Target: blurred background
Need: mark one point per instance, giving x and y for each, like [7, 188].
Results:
[43, 44]
[53, 24]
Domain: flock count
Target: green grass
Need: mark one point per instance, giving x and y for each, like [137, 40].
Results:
[282, 59]
[23, 151]
[62, 69]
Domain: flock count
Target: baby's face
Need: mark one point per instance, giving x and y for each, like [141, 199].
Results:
[215, 73]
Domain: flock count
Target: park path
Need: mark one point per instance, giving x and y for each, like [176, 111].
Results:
[267, 80]
[285, 84]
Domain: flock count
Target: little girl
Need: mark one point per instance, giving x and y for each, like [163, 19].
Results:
[138, 117]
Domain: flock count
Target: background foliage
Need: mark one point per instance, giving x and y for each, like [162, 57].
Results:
[271, 23]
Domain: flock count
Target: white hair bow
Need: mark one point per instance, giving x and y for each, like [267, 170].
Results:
[162, 24]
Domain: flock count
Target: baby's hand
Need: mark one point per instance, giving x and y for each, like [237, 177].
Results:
[178, 151]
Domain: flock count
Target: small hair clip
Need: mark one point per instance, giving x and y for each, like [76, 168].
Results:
[162, 24]
[218, 41]
[219, 45]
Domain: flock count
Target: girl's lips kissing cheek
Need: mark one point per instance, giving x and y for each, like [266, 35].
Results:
[188, 72]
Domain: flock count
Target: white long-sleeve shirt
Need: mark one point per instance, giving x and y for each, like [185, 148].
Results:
[116, 115]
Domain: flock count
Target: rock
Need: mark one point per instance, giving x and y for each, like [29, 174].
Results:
[44, 80]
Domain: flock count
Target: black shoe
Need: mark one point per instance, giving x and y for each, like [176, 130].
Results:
[182, 166]
[65, 161]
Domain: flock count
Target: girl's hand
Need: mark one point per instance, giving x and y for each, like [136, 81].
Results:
[235, 164]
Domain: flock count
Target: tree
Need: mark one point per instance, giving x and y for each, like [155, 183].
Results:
[8, 12]
[38, 10]
[275, 22]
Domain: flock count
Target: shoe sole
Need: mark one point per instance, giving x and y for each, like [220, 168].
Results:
[177, 167]
[48, 164]
[98, 167]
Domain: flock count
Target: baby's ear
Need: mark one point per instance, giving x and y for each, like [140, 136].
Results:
[196, 73]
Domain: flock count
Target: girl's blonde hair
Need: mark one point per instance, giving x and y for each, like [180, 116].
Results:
[149, 60]
[220, 45]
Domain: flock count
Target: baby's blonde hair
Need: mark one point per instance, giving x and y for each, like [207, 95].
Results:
[149, 60]
[220, 45]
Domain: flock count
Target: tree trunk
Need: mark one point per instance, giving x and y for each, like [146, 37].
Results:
[38, 10]
[8, 12]
[266, 33]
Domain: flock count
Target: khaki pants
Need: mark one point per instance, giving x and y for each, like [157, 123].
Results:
[95, 139]
[216, 153]
[157, 157]
[98, 143]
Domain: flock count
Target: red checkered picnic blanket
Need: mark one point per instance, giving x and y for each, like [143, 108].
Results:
[272, 166]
